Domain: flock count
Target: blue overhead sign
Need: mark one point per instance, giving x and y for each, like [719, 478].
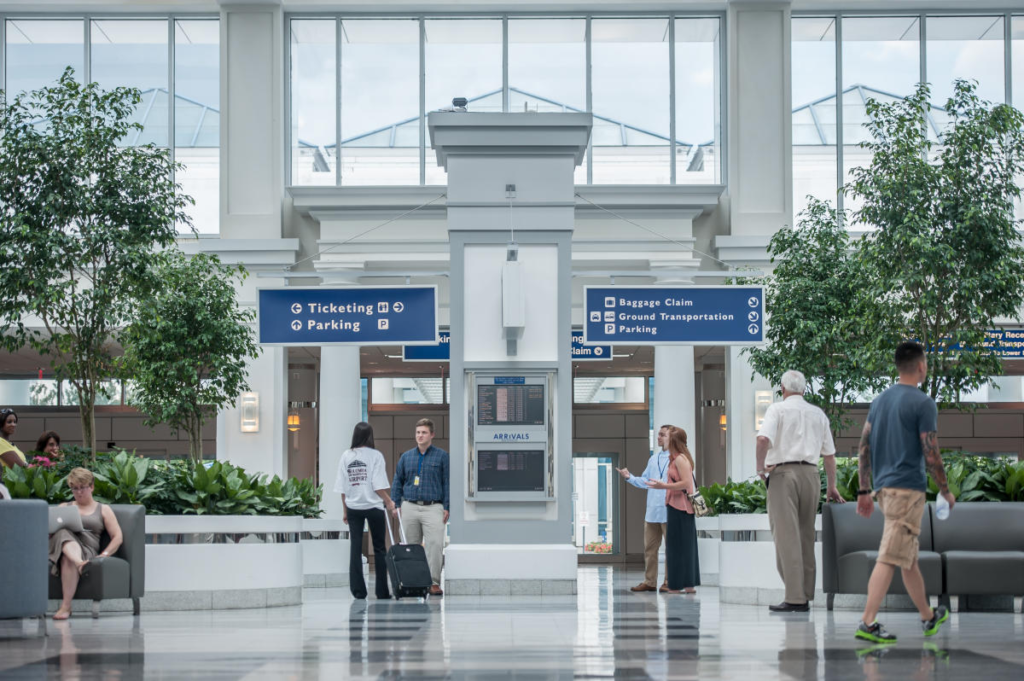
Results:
[381, 315]
[673, 315]
[589, 353]
[429, 353]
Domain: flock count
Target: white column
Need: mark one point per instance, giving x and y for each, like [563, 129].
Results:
[340, 410]
[252, 121]
[674, 391]
[759, 118]
[263, 451]
[740, 410]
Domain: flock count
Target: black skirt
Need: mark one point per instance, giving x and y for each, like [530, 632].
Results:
[682, 563]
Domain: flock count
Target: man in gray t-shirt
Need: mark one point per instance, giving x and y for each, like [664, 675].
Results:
[899, 440]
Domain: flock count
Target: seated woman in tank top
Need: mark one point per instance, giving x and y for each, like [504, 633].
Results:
[70, 552]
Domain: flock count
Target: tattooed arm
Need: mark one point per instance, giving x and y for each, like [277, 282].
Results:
[933, 460]
[865, 505]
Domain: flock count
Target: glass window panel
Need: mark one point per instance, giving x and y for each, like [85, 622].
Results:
[881, 59]
[406, 390]
[547, 68]
[698, 128]
[609, 389]
[814, 111]
[463, 59]
[197, 118]
[1017, 74]
[314, 101]
[629, 60]
[37, 52]
[966, 47]
[380, 126]
[134, 53]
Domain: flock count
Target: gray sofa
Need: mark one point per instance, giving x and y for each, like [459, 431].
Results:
[978, 550]
[23, 555]
[122, 575]
[982, 548]
[850, 548]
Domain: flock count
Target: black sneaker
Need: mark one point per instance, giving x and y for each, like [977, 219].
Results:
[874, 633]
[932, 626]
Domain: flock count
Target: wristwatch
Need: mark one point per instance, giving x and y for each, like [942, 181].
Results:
[863, 491]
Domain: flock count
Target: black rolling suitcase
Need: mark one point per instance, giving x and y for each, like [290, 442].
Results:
[407, 567]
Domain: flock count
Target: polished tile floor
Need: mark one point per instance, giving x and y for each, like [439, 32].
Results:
[604, 632]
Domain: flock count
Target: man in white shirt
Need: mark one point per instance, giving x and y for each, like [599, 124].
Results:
[794, 435]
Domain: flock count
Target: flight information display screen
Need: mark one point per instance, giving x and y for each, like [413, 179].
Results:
[510, 405]
[510, 470]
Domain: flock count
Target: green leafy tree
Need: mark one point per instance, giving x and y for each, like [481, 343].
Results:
[813, 308]
[188, 347]
[81, 218]
[945, 256]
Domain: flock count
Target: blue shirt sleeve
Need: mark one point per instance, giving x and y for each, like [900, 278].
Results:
[444, 478]
[928, 416]
[641, 482]
[399, 482]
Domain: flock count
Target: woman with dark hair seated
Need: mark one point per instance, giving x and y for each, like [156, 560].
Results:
[49, 444]
[365, 492]
[10, 456]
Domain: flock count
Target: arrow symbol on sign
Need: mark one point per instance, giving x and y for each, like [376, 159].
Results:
[398, 307]
[296, 325]
[296, 308]
[752, 302]
[753, 316]
[753, 329]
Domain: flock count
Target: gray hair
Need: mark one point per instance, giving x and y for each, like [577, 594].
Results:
[794, 382]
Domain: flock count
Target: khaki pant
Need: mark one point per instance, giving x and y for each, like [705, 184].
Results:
[425, 524]
[793, 495]
[653, 534]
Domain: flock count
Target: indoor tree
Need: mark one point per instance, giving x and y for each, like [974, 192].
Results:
[944, 256]
[82, 217]
[187, 348]
[811, 301]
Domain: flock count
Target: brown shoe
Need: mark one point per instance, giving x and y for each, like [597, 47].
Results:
[435, 590]
[642, 587]
[664, 589]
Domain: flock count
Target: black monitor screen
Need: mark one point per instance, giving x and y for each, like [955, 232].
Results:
[510, 405]
[510, 470]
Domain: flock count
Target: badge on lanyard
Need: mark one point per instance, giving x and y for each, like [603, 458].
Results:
[416, 481]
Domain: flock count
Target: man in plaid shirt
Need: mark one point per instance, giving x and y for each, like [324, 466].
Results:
[420, 488]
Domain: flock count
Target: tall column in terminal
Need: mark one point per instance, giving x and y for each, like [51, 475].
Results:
[674, 386]
[341, 408]
[510, 339]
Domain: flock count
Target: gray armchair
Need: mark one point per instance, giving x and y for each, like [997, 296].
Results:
[850, 548]
[122, 575]
[23, 555]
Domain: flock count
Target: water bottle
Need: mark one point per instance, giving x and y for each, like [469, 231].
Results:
[941, 507]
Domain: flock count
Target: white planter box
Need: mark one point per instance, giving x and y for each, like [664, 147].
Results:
[325, 561]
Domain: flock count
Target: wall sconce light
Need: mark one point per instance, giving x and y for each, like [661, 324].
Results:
[293, 421]
[762, 400]
[250, 409]
[722, 421]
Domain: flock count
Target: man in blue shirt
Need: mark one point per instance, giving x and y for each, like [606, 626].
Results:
[656, 518]
[420, 489]
[898, 444]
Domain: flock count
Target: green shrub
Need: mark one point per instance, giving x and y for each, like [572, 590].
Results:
[970, 478]
[179, 487]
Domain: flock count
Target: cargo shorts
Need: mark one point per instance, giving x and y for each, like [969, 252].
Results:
[902, 509]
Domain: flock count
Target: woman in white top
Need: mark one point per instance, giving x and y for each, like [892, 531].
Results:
[365, 492]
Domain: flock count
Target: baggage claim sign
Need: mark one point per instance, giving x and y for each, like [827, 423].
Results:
[315, 315]
[673, 315]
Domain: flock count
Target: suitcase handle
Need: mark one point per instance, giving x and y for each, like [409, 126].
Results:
[401, 527]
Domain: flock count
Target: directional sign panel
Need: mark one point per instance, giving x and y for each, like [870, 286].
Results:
[382, 315]
[429, 353]
[589, 353]
[674, 315]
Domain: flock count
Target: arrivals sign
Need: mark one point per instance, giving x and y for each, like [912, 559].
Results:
[357, 315]
[673, 315]
[441, 351]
